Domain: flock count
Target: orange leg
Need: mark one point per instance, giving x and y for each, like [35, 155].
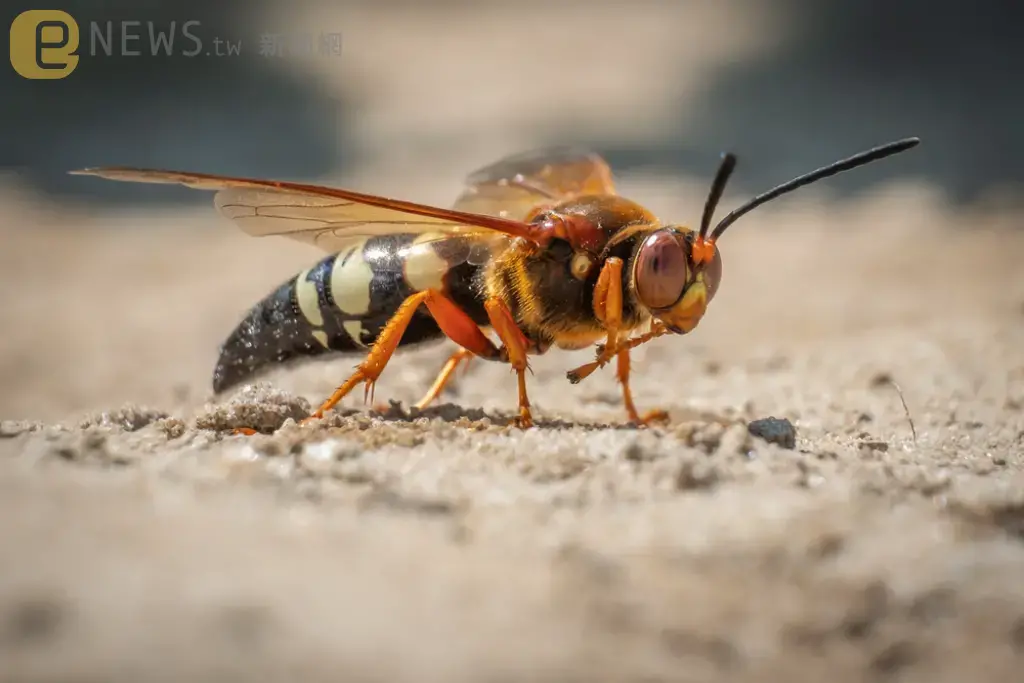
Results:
[605, 354]
[608, 297]
[515, 346]
[622, 374]
[608, 309]
[453, 321]
[608, 302]
[460, 356]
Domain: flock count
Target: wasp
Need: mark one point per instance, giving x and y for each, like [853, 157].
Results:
[538, 250]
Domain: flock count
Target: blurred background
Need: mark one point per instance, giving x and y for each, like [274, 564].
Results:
[665, 85]
[403, 99]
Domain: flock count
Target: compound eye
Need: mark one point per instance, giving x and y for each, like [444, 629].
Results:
[662, 270]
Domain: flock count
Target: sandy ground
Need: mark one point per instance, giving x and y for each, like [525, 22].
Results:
[142, 541]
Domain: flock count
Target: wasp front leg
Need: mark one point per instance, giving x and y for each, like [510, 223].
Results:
[608, 309]
[605, 354]
[622, 373]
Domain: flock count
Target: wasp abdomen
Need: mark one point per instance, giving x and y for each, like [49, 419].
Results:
[342, 303]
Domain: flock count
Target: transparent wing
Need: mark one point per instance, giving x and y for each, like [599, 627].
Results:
[329, 218]
[516, 186]
[325, 222]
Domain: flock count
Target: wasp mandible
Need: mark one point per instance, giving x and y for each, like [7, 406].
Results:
[538, 249]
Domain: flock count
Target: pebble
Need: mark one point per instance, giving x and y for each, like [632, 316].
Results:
[774, 430]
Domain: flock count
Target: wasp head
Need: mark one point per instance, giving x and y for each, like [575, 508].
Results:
[675, 276]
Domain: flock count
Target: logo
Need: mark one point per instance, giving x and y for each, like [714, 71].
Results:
[43, 44]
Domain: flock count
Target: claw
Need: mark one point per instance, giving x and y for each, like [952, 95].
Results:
[655, 416]
[304, 422]
[524, 420]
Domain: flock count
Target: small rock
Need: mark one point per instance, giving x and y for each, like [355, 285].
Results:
[774, 430]
[258, 407]
[171, 427]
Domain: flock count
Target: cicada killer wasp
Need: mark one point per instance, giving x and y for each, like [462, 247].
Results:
[539, 249]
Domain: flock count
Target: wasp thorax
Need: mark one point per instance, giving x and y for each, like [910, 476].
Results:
[661, 270]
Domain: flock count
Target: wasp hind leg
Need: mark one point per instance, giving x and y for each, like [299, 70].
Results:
[452, 320]
[458, 326]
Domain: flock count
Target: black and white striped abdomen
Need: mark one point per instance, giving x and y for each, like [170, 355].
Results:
[341, 304]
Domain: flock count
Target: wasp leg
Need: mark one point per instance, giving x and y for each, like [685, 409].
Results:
[579, 374]
[608, 299]
[453, 321]
[515, 347]
[608, 309]
[622, 372]
[608, 303]
[461, 356]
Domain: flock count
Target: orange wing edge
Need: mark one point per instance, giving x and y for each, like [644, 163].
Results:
[533, 233]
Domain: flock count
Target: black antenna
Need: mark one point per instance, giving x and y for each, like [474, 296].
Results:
[824, 172]
[725, 170]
